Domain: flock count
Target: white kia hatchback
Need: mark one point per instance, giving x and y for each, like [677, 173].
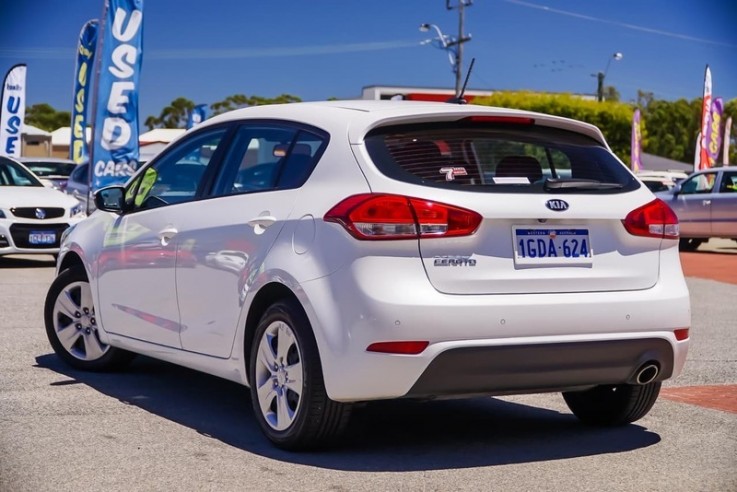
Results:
[330, 253]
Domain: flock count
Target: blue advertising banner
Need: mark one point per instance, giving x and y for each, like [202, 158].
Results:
[115, 132]
[197, 115]
[78, 151]
[13, 110]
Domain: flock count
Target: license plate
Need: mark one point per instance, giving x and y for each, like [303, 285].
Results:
[551, 246]
[36, 237]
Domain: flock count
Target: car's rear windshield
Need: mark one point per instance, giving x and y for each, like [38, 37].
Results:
[496, 157]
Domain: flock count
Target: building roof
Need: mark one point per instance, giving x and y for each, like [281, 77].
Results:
[33, 131]
[163, 135]
[63, 135]
[652, 162]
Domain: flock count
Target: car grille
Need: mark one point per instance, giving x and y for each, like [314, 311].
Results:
[31, 212]
[20, 232]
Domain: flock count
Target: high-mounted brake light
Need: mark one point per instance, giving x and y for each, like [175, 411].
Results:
[372, 216]
[404, 348]
[512, 120]
[654, 219]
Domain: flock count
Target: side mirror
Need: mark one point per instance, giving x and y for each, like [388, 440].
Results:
[111, 199]
[676, 189]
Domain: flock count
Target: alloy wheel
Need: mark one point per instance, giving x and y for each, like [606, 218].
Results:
[75, 324]
[279, 375]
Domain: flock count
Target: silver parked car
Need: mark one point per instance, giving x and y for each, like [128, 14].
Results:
[706, 206]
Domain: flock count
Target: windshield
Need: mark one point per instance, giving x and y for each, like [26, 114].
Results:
[43, 169]
[14, 174]
[501, 158]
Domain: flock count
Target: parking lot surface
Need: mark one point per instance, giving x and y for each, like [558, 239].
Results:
[160, 427]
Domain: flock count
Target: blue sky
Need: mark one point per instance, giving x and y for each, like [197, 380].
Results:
[208, 50]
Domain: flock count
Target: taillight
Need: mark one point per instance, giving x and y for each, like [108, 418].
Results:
[378, 216]
[513, 120]
[681, 334]
[654, 219]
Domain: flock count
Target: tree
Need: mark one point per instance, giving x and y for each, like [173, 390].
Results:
[172, 116]
[613, 118]
[238, 101]
[176, 113]
[644, 99]
[730, 109]
[611, 93]
[672, 128]
[46, 117]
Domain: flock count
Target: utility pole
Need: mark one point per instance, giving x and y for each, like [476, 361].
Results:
[458, 42]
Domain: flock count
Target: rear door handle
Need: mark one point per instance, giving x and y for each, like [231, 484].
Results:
[167, 234]
[706, 202]
[261, 222]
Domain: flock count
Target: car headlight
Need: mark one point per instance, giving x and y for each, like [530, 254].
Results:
[78, 210]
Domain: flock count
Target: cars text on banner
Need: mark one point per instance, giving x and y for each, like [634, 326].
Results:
[115, 133]
[13, 110]
[714, 131]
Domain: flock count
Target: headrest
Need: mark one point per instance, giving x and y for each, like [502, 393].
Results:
[519, 166]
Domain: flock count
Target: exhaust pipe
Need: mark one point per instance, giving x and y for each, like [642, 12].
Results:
[647, 373]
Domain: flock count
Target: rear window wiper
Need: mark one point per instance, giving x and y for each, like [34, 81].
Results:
[579, 184]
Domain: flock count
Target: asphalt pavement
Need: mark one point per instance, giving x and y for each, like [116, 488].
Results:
[156, 426]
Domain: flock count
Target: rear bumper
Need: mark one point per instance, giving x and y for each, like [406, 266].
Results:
[541, 367]
[503, 343]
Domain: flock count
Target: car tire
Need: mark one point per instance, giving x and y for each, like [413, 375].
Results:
[612, 405]
[69, 315]
[689, 244]
[292, 408]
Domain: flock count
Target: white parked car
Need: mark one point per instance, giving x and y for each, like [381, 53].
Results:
[658, 181]
[33, 217]
[382, 249]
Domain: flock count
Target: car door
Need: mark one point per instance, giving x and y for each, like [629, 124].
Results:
[222, 251]
[137, 285]
[724, 206]
[692, 204]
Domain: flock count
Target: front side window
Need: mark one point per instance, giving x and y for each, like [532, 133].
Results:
[497, 158]
[701, 183]
[729, 182]
[175, 177]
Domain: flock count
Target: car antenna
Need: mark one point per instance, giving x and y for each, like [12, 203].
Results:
[459, 98]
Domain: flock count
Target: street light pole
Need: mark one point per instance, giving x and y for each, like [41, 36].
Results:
[462, 38]
[453, 45]
[600, 76]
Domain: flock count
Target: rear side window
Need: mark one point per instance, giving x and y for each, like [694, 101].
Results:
[265, 157]
[497, 158]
